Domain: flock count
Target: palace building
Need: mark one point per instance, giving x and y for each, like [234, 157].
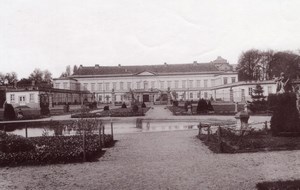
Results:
[215, 80]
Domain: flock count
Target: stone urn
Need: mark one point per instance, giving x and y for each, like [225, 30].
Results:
[242, 118]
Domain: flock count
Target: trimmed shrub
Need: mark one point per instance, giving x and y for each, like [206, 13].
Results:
[143, 105]
[202, 106]
[15, 143]
[56, 149]
[175, 103]
[135, 108]
[285, 116]
[124, 105]
[106, 108]
[93, 105]
[9, 112]
[209, 106]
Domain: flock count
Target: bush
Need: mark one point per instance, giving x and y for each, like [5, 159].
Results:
[93, 105]
[15, 143]
[209, 106]
[9, 112]
[135, 108]
[56, 149]
[202, 106]
[175, 103]
[106, 108]
[143, 105]
[124, 105]
[285, 116]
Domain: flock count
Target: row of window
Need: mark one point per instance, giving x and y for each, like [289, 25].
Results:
[22, 98]
[225, 80]
[107, 86]
[269, 88]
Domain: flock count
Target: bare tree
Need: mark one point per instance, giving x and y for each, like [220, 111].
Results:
[37, 75]
[248, 65]
[11, 78]
[2, 79]
[47, 77]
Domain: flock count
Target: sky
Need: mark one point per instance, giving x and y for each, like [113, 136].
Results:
[51, 34]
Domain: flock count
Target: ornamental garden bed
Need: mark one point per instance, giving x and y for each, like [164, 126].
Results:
[279, 185]
[119, 112]
[233, 141]
[17, 150]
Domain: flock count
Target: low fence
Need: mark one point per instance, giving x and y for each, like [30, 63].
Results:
[222, 134]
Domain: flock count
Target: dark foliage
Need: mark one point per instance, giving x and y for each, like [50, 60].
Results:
[285, 114]
[135, 108]
[55, 149]
[9, 112]
[209, 106]
[202, 106]
[106, 108]
[14, 143]
[258, 99]
[279, 185]
[93, 105]
[124, 105]
[175, 103]
[143, 105]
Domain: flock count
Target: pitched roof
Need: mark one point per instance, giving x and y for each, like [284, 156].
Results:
[158, 69]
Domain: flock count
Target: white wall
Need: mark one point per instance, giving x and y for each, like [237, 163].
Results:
[25, 95]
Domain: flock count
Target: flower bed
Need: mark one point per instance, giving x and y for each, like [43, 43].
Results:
[49, 149]
[282, 185]
[119, 112]
[251, 141]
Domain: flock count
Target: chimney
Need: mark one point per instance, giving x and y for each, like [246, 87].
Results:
[97, 66]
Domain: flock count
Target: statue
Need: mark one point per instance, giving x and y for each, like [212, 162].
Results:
[283, 84]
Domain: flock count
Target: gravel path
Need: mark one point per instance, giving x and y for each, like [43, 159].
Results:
[162, 160]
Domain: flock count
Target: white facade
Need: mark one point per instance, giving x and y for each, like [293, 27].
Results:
[23, 98]
[188, 86]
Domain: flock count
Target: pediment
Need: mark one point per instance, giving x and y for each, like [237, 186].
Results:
[146, 73]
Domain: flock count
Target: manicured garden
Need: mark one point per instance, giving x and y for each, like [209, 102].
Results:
[85, 145]
[17, 150]
[214, 108]
[118, 112]
[284, 132]
[233, 141]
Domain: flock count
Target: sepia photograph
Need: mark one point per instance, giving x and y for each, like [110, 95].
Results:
[146, 95]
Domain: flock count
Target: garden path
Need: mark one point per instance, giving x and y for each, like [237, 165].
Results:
[164, 160]
[159, 111]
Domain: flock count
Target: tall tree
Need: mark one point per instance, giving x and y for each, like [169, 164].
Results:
[67, 73]
[75, 68]
[37, 75]
[248, 65]
[47, 77]
[2, 79]
[11, 78]
[8, 78]
[287, 62]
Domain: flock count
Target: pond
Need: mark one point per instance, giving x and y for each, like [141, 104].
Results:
[118, 128]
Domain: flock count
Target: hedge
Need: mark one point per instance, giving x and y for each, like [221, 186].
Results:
[285, 118]
[50, 149]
